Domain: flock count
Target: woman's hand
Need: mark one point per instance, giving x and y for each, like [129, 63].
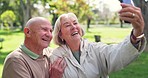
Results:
[57, 68]
[132, 14]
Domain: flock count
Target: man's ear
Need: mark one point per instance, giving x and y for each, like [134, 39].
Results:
[27, 31]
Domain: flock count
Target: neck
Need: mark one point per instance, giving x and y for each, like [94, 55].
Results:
[74, 46]
[33, 48]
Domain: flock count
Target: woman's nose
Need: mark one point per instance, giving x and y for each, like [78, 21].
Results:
[73, 26]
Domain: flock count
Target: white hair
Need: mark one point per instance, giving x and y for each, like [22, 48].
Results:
[57, 40]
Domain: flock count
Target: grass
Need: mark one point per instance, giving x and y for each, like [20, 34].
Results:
[137, 69]
[11, 41]
[109, 34]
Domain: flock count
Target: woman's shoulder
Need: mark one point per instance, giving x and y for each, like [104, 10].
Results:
[58, 51]
[89, 44]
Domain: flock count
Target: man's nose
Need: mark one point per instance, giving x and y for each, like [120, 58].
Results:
[48, 33]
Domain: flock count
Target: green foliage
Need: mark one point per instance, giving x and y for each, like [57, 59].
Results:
[24, 9]
[4, 5]
[8, 16]
[79, 7]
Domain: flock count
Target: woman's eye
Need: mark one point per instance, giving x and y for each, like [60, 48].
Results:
[75, 23]
[67, 25]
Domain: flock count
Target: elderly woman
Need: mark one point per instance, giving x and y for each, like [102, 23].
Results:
[96, 60]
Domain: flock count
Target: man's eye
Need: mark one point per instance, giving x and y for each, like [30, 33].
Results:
[51, 31]
[44, 29]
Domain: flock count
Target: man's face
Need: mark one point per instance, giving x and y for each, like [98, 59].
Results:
[41, 34]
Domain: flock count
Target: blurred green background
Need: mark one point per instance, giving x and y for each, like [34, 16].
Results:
[109, 34]
[97, 17]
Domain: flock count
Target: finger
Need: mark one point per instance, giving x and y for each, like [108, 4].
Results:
[130, 19]
[135, 15]
[126, 14]
[57, 62]
[124, 5]
[64, 66]
[130, 16]
[63, 63]
[128, 7]
[60, 60]
[50, 67]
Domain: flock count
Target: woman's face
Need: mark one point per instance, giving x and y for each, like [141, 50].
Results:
[70, 29]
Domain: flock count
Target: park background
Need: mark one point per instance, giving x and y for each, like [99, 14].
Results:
[97, 17]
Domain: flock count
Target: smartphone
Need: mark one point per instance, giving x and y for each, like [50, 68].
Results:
[128, 2]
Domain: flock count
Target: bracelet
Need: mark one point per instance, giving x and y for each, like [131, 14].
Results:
[137, 38]
[141, 36]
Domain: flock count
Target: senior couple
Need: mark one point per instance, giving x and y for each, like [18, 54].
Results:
[75, 57]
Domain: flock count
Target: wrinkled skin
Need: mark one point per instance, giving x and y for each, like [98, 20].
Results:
[57, 68]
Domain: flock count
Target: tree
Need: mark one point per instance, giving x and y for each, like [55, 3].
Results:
[4, 5]
[21, 9]
[79, 7]
[24, 9]
[8, 17]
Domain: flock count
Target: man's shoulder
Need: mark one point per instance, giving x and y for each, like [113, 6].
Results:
[16, 54]
[47, 51]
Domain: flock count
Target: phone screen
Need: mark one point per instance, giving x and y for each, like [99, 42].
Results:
[128, 2]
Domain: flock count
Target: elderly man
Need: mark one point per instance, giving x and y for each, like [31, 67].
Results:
[29, 60]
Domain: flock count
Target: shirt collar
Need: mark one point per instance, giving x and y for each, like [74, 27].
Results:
[28, 52]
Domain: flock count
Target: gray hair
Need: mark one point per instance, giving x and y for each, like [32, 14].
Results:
[57, 40]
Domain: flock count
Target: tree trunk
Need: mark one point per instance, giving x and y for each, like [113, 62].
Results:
[26, 9]
[143, 5]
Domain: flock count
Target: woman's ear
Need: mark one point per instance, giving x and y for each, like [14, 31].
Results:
[60, 35]
[82, 32]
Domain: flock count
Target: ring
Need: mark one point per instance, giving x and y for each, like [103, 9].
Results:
[133, 15]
